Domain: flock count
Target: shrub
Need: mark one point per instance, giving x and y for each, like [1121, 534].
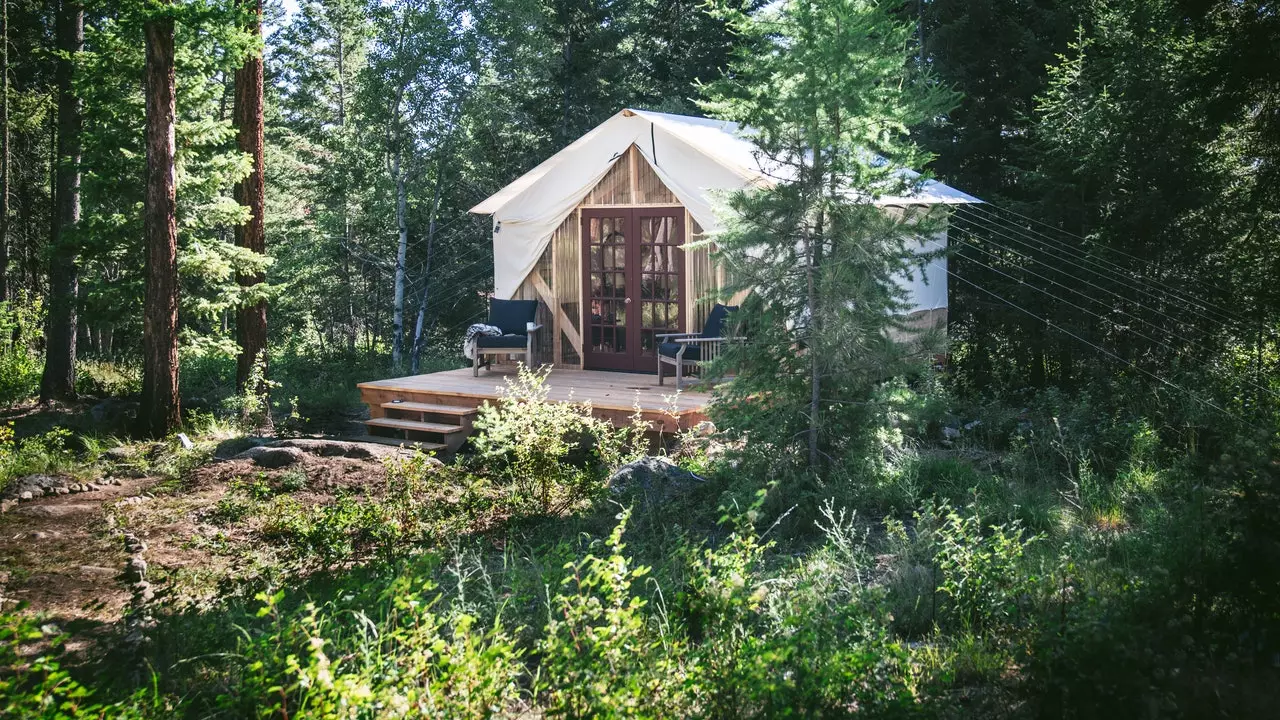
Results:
[49, 453]
[37, 686]
[550, 454]
[105, 378]
[411, 661]
[978, 570]
[20, 366]
[600, 659]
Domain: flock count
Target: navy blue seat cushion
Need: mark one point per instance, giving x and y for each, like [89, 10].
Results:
[512, 316]
[714, 326]
[670, 349]
[502, 341]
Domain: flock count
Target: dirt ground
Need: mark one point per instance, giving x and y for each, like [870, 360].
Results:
[66, 557]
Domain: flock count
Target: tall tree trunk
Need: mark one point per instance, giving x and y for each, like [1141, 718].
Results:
[251, 320]
[59, 379]
[402, 257]
[159, 412]
[419, 336]
[348, 292]
[4, 152]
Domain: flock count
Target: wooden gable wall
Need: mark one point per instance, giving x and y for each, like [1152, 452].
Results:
[556, 281]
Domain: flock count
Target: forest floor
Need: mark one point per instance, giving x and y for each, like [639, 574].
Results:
[65, 552]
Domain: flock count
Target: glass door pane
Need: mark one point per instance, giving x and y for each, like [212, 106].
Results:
[660, 276]
[605, 242]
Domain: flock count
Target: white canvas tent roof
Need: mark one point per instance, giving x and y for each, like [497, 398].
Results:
[695, 157]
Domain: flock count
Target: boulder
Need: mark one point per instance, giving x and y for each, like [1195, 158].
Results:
[228, 449]
[37, 485]
[655, 479]
[327, 448]
[272, 457]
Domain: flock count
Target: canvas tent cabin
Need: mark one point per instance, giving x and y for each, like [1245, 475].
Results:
[596, 234]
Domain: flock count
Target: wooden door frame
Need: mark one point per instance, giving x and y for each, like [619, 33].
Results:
[634, 360]
[612, 361]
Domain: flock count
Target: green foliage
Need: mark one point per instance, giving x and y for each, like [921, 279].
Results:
[599, 658]
[20, 365]
[50, 454]
[829, 102]
[107, 378]
[550, 454]
[309, 663]
[33, 684]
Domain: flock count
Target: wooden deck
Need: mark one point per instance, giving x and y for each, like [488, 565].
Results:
[613, 395]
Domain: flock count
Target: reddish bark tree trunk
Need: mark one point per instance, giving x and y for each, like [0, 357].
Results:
[159, 412]
[4, 154]
[251, 319]
[59, 379]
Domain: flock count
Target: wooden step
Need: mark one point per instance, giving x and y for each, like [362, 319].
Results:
[414, 425]
[400, 442]
[429, 408]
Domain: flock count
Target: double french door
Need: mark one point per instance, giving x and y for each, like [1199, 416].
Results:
[633, 284]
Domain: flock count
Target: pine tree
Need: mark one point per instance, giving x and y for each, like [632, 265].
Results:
[251, 315]
[159, 411]
[59, 379]
[828, 101]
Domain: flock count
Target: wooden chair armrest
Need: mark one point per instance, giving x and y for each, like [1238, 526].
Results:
[674, 335]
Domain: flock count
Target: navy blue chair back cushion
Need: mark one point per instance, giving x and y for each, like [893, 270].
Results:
[512, 316]
[714, 326]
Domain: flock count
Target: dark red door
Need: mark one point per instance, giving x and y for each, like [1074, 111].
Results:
[633, 287]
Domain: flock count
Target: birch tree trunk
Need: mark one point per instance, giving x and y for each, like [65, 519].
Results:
[419, 336]
[402, 257]
[59, 379]
[159, 412]
[251, 319]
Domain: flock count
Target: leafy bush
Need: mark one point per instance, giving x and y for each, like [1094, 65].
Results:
[977, 570]
[106, 378]
[550, 454]
[416, 661]
[49, 453]
[34, 685]
[20, 365]
[600, 659]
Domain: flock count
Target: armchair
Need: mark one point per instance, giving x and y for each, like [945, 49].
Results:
[517, 321]
[687, 350]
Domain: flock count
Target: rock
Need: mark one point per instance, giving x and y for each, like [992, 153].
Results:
[272, 457]
[656, 479]
[38, 535]
[228, 449]
[6, 505]
[135, 547]
[62, 490]
[950, 433]
[972, 425]
[186, 442]
[327, 448]
[113, 411]
[120, 453]
[137, 568]
[37, 485]
[24, 495]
